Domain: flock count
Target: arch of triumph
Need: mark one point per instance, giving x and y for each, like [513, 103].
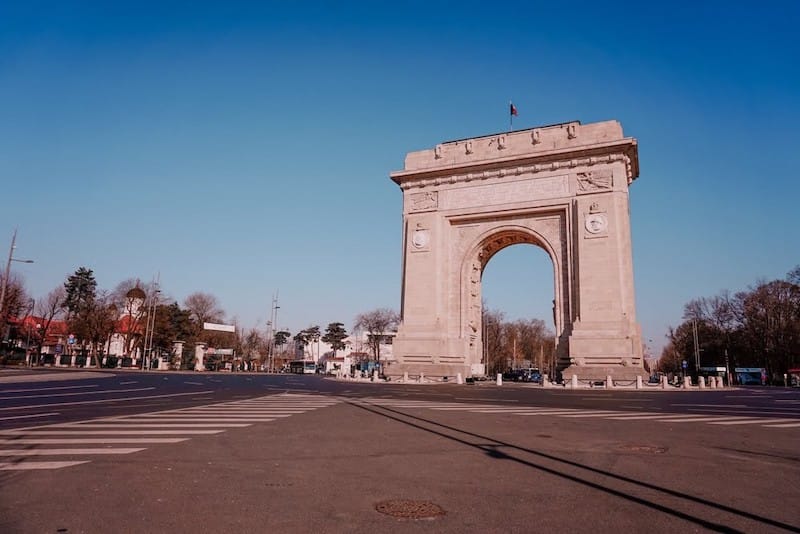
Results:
[563, 188]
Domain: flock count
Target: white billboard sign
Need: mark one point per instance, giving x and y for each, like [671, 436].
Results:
[219, 327]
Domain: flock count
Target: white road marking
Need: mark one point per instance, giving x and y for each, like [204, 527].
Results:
[493, 410]
[605, 398]
[29, 416]
[756, 420]
[121, 399]
[257, 405]
[112, 426]
[48, 389]
[713, 405]
[644, 416]
[128, 382]
[145, 419]
[145, 428]
[699, 419]
[768, 412]
[556, 412]
[66, 452]
[593, 414]
[88, 441]
[26, 466]
[103, 392]
[736, 418]
[109, 432]
[232, 410]
[468, 407]
[194, 383]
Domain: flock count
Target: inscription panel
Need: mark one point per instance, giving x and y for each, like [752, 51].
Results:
[505, 193]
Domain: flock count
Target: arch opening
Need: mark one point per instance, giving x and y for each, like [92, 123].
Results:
[518, 336]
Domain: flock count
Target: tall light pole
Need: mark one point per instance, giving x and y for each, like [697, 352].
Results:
[8, 271]
[150, 327]
[25, 321]
[485, 342]
[274, 314]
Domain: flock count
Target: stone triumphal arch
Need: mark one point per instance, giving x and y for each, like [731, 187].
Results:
[563, 188]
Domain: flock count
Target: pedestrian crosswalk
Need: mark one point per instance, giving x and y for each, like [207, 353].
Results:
[78, 442]
[580, 413]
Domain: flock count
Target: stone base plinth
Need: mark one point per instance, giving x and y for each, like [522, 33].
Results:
[600, 372]
[434, 371]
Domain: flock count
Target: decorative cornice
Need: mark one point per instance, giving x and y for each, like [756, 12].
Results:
[435, 179]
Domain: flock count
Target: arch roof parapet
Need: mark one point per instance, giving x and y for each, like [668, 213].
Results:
[568, 144]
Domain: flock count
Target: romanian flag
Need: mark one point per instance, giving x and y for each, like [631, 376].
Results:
[512, 109]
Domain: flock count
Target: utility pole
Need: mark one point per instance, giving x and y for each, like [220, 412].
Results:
[274, 321]
[151, 325]
[696, 346]
[8, 271]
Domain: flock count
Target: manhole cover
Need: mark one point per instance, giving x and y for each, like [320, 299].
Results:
[407, 509]
[644, 448]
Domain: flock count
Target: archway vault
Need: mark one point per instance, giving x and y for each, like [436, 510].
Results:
[563, 188]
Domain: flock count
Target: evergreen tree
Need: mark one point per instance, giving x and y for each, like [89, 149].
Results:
[334, 336]
[81, 289]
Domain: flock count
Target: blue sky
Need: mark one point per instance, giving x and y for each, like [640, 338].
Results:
[243, 149]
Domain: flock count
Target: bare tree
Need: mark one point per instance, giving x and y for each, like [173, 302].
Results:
[670, 359]
[377, 323]
[15, 302]
[492, 335]
[770, 323]
[48, 309]
[204, 308]
[101, 322]
[794, 276]
[254, 345]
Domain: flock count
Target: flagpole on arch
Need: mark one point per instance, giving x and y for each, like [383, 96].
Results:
[512, 111]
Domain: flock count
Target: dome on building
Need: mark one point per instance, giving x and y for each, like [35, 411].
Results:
[136, 293]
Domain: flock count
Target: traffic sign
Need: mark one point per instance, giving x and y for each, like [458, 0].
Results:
[684, 364]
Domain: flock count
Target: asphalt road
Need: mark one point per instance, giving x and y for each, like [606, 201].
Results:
[221, 452]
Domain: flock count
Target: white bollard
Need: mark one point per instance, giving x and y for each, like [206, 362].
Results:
[609, 382]
[574, 381]
[638, 382]
[499, 379]
[421, 378]
[719, 382]
[712, 382]
[664, 382]
[375, 375]
[459, 379]
[701, 382]
[405, 377]
[687, 381]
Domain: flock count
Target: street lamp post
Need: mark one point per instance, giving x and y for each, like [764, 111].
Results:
[274, 324]
[150, 327]
[25, 321]
[3, 322]
[486, 323]
[8, 271]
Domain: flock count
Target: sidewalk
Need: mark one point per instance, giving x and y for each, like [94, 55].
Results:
[11, 375]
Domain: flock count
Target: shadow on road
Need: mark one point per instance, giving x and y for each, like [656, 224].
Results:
[492, 448]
